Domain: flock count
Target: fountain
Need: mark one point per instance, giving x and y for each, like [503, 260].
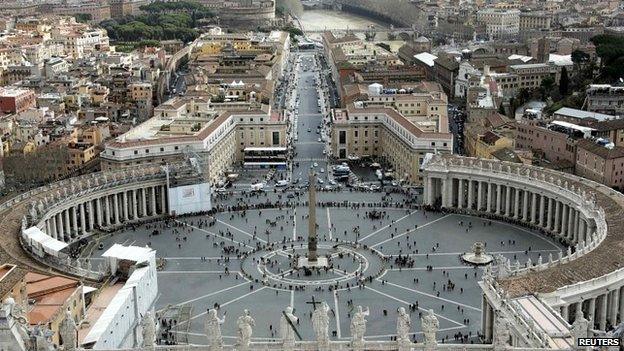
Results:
[478, 256]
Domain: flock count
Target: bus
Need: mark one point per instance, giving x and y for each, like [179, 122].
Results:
[265, 157]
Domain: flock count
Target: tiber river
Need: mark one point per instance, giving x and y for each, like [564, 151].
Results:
[332, 20]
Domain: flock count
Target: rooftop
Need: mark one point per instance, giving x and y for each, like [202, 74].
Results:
[574, 113]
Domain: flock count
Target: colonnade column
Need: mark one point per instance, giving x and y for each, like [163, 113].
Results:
[525, 205]
[570, 231]
[498, 198]
[602, 312]
[98, 211]
[52, 221]
[575, 230]
[565, 313]
[470, 193]
[428, 193]
[124, 199]
[91, 215]
[591, 309]
[163, 198]
[488, 200]
[67, 225]
[74, 221]
[613, 307]
[460, 193]
[516, 203]
[542, 215]
[508, 201]
[116, 205]
[83, 219]
[564, 220]
[60, 227]
[143, 202]
[549, 214]
[479, 195]
[153, 191]
[557, 208]
[534, 208]
[621, 304]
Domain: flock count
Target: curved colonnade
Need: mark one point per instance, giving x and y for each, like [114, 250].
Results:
[65, 212]
[584, 215]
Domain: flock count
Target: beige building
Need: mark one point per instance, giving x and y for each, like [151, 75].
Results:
[427, 109]
[384, 133]
[183, 127]
[534, 20]
[600, 163]
[500, 23]
[489, 143]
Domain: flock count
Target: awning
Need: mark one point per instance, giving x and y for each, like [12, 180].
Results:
[36, 237]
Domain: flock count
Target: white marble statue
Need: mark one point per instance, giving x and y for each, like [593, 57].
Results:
[320, 323]
[212, 328]
[580, 327]
[287, 331]
[148, 328]
[501, 333]
[358, 324]
[245, 324]
[404, 324]
[67, 331]
[430, 326]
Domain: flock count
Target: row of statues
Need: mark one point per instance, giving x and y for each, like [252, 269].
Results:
[320, 324]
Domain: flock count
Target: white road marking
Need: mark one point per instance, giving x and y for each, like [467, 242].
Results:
[242, 231]
[329, 226]
[407, 303]
[410, 231]
[433, 296]
[215, 234]
[208, 295]
[337, 314]
[292, 298]
[460, 253]
[295, 224]
[227, 303]
[386, 226]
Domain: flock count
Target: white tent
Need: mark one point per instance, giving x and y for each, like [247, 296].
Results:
[42, 243]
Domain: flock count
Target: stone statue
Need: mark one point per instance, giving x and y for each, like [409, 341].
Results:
[244, 323]
[580, 328]
[358, 325]
[550, 258]
[320, 324]
[287, 329]
[33, 211]
[67, 331]
[148, 328]
[501, 333]
[430, 326]
[24, 223]
[404, 324]
[78, 264]
[40, 207]
[212, 327]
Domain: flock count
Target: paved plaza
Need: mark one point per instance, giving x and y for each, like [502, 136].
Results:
[408, 258]
[198, 251]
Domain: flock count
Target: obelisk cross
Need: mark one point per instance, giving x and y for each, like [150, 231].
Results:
[312, 256]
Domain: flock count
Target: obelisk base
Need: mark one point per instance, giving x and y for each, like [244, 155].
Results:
[320, 262]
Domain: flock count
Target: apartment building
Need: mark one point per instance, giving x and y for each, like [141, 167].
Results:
[556, 147]
[500, 23]
[426, 107]
[385, 133]
[605, 98]
[601, 163]
[534, 21]
[16, 100]
[189, 126]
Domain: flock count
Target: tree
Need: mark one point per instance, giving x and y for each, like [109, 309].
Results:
[501, 109]
[579, 57]
[547, 86]
[564, 82]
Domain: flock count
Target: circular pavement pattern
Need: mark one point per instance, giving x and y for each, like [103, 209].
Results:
[245, 260]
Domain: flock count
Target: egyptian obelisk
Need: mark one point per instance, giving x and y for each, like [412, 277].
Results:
[312, 255]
